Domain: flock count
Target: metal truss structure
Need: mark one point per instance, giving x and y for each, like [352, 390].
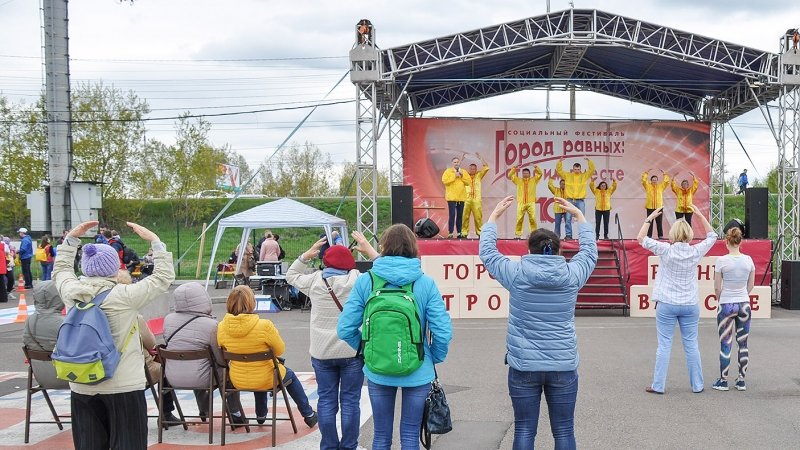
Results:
[703, 79]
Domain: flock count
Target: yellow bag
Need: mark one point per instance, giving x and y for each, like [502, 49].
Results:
[40, 254]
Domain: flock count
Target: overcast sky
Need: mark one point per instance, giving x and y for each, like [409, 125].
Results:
[177, 55]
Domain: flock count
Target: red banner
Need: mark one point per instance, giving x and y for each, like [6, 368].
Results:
[620, 151]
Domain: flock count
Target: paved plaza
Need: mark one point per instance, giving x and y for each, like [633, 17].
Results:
[613, 411]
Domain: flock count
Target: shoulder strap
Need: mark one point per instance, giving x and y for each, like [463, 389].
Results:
[377, 282]
[333, 295]
[167, 339]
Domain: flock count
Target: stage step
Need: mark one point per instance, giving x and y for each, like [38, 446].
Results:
[599, 285]
[591, 305]
[600, 294]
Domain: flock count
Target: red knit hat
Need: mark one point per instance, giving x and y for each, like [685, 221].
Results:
[339, 257]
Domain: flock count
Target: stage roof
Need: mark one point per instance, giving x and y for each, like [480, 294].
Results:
[700, 77]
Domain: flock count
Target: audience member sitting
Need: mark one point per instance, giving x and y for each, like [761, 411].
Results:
[192, 327]
[41, 328]
[242, 331]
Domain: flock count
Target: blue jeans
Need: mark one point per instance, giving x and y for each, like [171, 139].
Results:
[382, 399]
[339, 381]
[47, 271]
[568, 217]
[688, 318]
[557, 227]
[560, 391]
[295, 390]
[455, 217]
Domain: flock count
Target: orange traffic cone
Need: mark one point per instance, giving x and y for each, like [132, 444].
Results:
[20, 284]
[22, 310]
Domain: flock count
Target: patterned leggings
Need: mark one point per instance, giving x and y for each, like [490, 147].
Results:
[730, 313]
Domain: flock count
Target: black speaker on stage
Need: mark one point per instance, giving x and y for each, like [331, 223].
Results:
[756, 213]
[790, 284]
[734, 223]
[402, 205]
[426, 228]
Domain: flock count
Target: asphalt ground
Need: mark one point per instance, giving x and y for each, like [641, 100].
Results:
[613, 411]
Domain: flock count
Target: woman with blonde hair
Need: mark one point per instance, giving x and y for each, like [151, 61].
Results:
[675, 295]
[242, 331]
[734, 277]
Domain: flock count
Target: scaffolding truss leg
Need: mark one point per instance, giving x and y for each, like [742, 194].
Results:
[718, 176]
[396, 150]
[366, 162]
[788, 186]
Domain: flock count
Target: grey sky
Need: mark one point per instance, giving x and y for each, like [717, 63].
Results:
[109, 40]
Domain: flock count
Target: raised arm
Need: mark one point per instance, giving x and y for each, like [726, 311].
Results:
[560, 168]
[613, 187]
[363, 246]
[706, 225]
[448, 177]
[512, 174]
[298, 275]
[537, 173]
[497, 264]
[643, 231]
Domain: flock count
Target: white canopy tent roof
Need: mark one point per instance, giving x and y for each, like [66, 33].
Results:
[281, 213]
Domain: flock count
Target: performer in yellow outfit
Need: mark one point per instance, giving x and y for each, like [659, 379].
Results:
[455, 183]
[602, 206]
[473, 206]
[685, 195]
[526, 197]
[655, 198]
[559, 212]
[576, 188]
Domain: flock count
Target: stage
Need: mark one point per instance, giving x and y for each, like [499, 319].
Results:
[470, 292]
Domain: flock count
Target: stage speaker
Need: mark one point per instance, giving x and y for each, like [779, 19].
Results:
[426, 228]
[734, 223]
[790, 284]
[756, 213]
[402, 205]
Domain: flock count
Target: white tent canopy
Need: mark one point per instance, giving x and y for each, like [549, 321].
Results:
[281, 213]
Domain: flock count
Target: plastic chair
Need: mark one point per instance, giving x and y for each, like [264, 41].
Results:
[40, 369]
[213, 383]
[279, 386]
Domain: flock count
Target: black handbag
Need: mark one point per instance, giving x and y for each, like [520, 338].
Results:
[436, 415]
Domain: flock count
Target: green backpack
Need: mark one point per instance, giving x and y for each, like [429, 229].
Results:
[391, 335]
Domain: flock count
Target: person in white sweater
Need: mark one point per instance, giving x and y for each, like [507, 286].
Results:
[338, 370]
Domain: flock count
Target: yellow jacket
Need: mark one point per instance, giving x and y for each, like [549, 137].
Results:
[575, 182]
[603, 197]
[474, 186]
[685, 196]
[247, 333]
[655, 194]
[558, 192]
[526, 189]
[455, 188]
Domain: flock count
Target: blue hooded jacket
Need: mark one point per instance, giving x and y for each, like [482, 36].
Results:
[26, 247]
[400, 271]
[544, 289]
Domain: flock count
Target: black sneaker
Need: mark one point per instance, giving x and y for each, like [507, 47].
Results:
[261, 419]
[169, 418]
[311, 420]
[238, 421]
[203, 416]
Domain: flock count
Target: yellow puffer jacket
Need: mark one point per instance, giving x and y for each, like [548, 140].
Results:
[247, 333]
[455, 187]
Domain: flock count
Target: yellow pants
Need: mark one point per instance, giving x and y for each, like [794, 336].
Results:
[474, 208]
[523, 208]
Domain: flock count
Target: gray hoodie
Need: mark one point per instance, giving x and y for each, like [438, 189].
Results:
[191, 303]
[41, 328]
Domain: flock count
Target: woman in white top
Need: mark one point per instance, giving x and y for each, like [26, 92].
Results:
[734, 277]
[676, 297]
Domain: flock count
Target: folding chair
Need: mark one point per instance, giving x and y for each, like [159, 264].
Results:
[267, 355]
[40, 368]
[213, 383]
[151, 384]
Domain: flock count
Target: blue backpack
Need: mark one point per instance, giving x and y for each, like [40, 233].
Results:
[85, 352]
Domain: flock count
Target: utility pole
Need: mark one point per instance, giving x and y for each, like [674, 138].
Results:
[547, 104]
[571, 86]
[59, 113]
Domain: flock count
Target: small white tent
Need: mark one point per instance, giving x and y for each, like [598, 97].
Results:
[281, 213]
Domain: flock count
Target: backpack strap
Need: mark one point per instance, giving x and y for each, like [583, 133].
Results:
[134, 330]
[97, 301]
[380, 283]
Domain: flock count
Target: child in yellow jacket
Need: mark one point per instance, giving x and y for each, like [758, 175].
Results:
[526, 197]
[685, 196]
[557, 210]
[602, 206]
[654, 192]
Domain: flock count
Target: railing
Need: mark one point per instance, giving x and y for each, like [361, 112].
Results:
[624, 252]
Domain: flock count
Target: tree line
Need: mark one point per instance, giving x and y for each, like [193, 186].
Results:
[110, 146]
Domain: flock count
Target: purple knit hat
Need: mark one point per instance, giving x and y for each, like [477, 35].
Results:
[99, 260]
